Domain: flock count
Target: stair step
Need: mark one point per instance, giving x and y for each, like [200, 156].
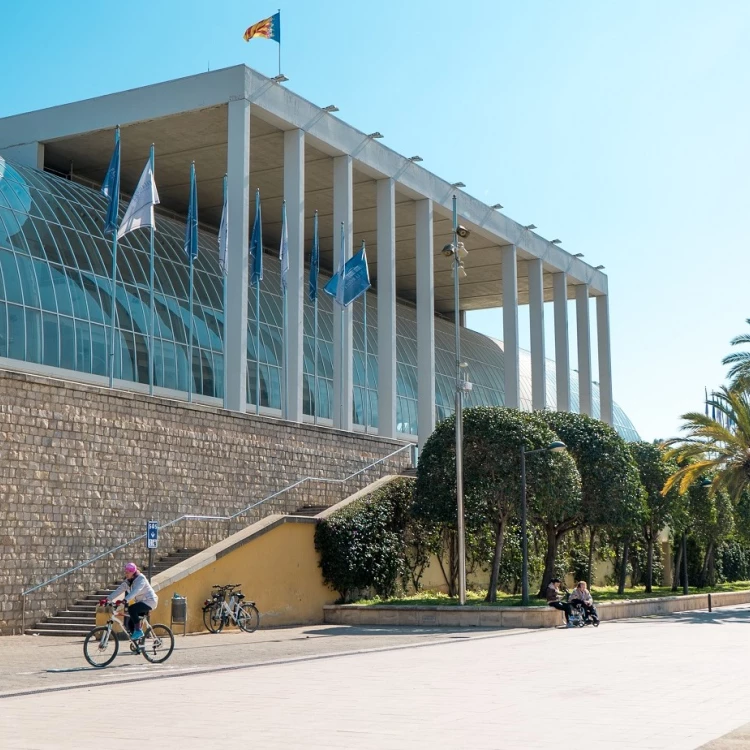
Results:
[59, 633]
[66, 626]
[75, 614]
[310, 510]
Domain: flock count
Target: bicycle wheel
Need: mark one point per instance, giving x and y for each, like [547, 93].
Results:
[100, 647]
[158, 644]
[248, 618]
[212, 618]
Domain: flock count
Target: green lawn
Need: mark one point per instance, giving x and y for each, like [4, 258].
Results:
[600, 594]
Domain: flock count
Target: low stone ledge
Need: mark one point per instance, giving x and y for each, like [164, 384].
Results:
[517, 617]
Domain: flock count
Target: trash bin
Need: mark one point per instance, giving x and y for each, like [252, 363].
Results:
[179, 612]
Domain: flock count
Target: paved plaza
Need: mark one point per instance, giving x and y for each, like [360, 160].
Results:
[664, 682]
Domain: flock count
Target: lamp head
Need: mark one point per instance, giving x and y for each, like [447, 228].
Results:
[462, 231]
[447, 251]
[557, 447]
[705, 482]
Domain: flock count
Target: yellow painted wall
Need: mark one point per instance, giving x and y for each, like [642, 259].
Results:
[278, 569]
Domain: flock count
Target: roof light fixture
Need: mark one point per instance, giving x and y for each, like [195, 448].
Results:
[530, 226]
[496, 205]
[281, 78]
[578, 255]
[556, 241]
[331, 108]
[376, 134]
[416, 158]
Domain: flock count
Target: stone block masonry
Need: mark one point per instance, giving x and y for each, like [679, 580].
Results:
[82, 468]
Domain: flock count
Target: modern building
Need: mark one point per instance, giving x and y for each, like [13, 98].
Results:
[55, 266]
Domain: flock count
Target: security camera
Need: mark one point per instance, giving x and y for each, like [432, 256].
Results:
[462, 231]
[448, 251]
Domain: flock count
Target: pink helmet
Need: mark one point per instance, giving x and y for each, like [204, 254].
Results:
[130, 568]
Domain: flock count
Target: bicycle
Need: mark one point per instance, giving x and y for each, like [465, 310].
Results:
[218, 612]
[101, 645]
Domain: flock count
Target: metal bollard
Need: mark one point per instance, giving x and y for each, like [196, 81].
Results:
[709, 603]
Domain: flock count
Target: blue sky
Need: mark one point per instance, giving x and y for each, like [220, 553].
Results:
[620, 127]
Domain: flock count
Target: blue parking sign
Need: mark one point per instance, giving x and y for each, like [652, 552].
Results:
[152, 535]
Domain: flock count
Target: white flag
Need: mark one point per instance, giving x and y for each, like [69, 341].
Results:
[140, 212]
[223, 238]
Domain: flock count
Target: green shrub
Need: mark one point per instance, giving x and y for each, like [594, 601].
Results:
[363, 547]
[733, 561]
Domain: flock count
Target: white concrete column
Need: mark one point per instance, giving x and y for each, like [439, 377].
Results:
[425, 322]
[562, 345]
[28, 154]
[386, 239]
[605, 359]
[584, 349]
[510, 327]
[294, 195]
[536, 319]
[343, 211]
[238, 199]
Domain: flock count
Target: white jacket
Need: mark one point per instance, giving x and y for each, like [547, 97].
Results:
[138, 590]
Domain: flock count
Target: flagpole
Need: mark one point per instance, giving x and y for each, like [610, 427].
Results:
[284, 331]
[279, 12]
[364, 325]
[315, 327]
[114, 272]
[191, 219]
[224, 303]
[257, 343]
[340, 296]
[151, 286]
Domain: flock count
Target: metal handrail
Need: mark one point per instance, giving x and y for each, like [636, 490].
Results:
[191, 517]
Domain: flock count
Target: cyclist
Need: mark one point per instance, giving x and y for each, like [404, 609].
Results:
[139, 595]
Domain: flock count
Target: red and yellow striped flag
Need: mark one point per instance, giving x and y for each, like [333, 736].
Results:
[268, 28]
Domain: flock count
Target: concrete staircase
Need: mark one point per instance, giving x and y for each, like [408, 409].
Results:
[80, 617]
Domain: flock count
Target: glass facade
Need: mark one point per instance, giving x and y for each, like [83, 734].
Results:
[56, 303]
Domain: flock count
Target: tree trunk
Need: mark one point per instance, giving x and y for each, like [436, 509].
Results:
[549, 559]
[649, 564]
[676, 573]
[590, 569]
[499, 537]
[623, 567]
[449, 545]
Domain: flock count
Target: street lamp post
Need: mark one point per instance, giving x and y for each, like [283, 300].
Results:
[457, 251]
[554, 447]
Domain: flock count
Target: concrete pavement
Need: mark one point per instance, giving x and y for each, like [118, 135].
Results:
[667, 683]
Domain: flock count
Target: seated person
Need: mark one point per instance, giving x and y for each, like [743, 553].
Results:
[581, 595]
[553, 599]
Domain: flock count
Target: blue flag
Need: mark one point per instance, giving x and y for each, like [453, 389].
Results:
[314, 262]
[111, 188]
[284, 247]
[191, 228]
[256, 244]
[356, 280]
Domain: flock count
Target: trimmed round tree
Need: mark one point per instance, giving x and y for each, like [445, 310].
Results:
[493, 437]
[612, 495]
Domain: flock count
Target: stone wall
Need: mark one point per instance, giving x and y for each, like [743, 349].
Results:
[82, 468]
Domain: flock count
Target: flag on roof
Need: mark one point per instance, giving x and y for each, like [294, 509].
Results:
[111, 188]
[268, 28]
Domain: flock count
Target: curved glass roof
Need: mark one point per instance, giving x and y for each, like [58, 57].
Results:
[56, 301]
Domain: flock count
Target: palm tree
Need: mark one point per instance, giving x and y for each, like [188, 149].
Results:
[739, 373]
[719, 447]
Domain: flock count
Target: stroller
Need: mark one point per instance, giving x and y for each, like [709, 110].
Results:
[579, 617]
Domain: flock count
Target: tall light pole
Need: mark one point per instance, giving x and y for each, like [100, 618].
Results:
[457, 251]
[555, 447]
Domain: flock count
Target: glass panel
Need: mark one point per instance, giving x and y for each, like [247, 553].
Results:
[51, 340]
[16, 332]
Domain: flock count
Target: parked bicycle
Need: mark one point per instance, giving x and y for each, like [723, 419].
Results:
[102, 644]
[227, 605]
